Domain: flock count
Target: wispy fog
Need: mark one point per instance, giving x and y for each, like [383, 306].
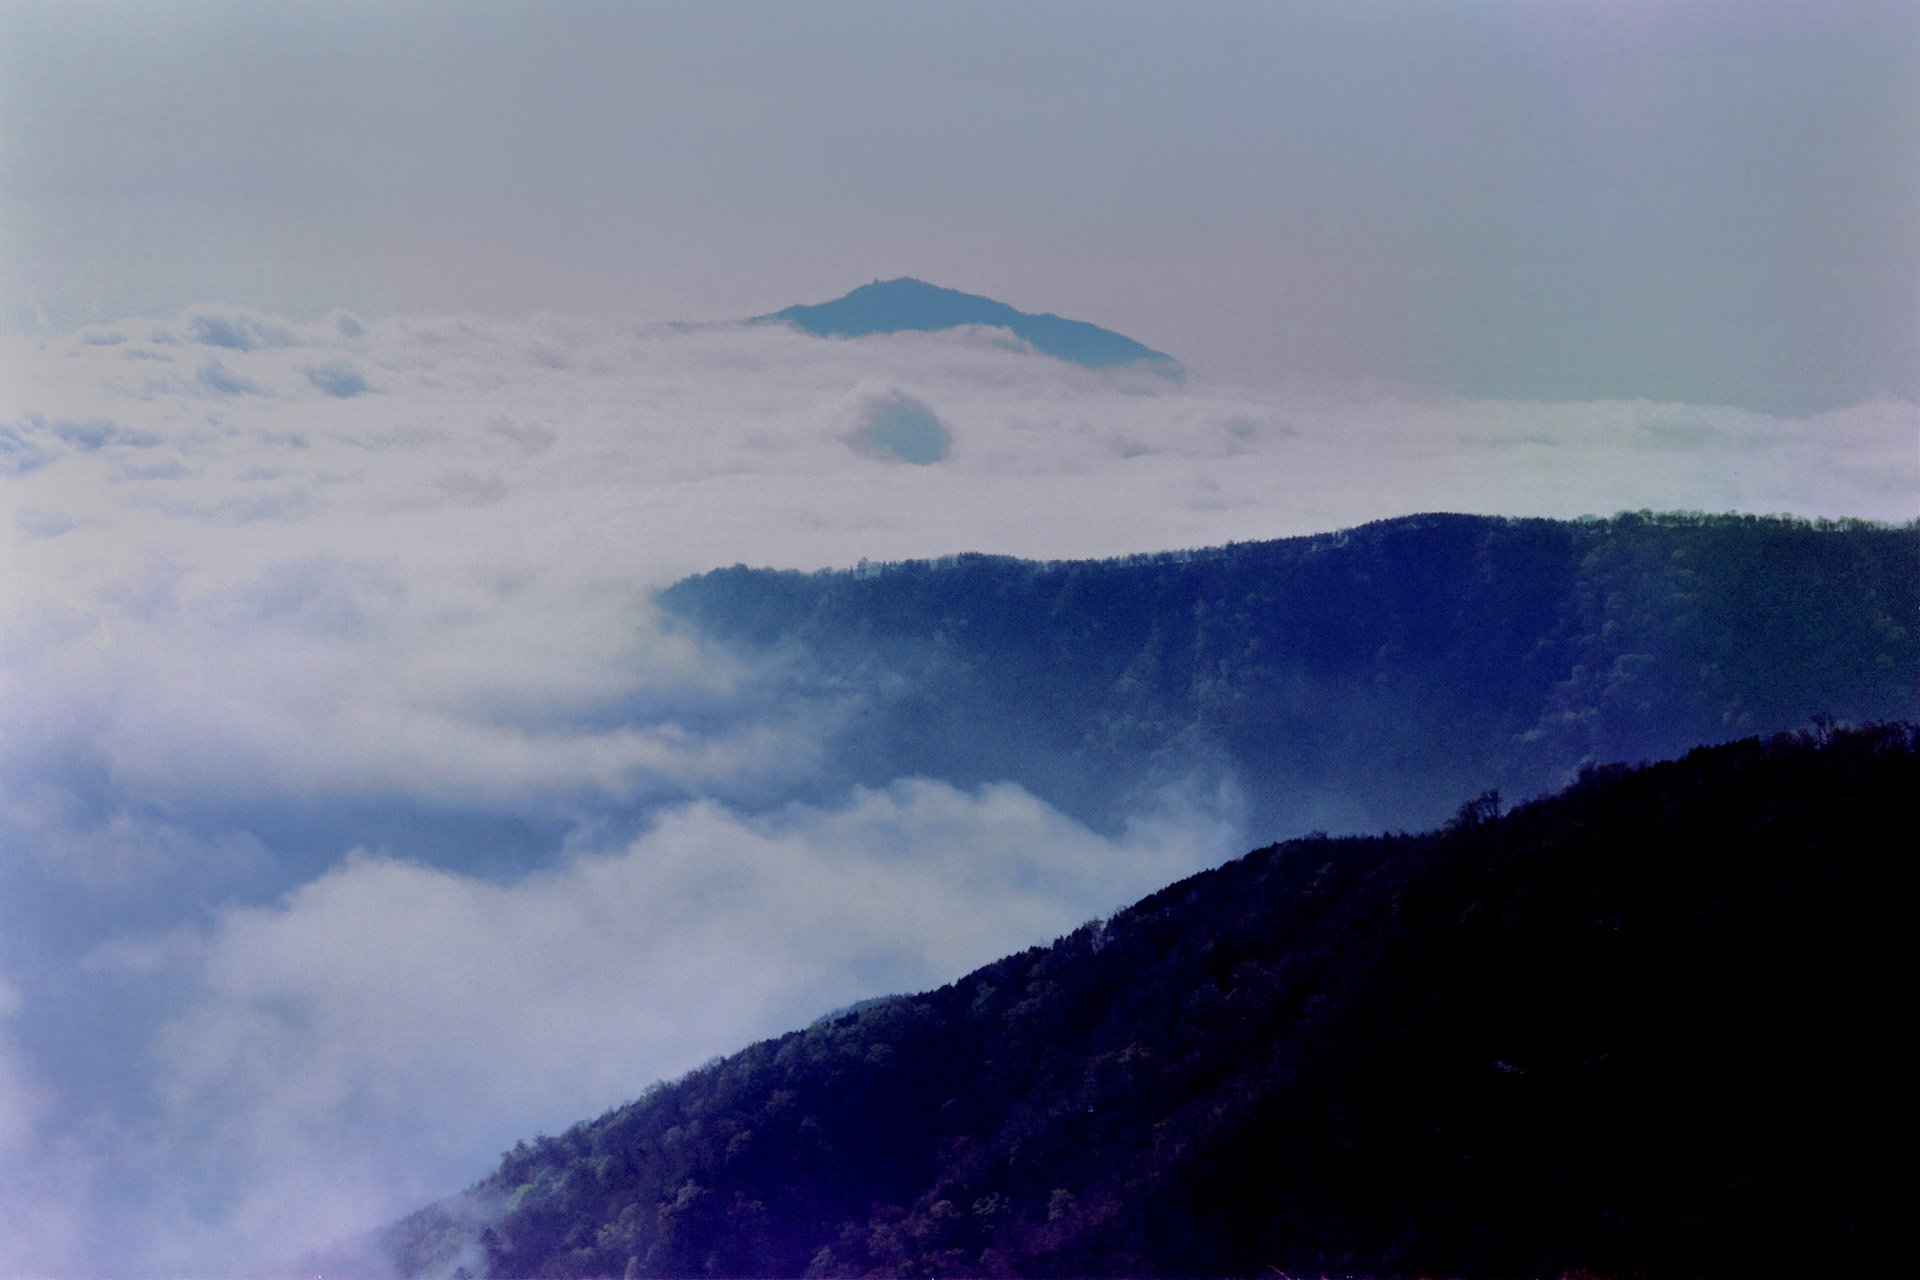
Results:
[361, 817]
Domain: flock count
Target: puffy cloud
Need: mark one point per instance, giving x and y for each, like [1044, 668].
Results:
[436, 1017]
[440, 591]
[898, 426]
[387, 584]
[43, 1216]
[234, 329]
[337, 378]
[20, 453]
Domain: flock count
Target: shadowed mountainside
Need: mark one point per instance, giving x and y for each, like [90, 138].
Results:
[1353, 681]
[1651, 1026]
[894, 306]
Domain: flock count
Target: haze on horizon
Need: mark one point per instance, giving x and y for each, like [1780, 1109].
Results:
[365, 367]
[1709, 202]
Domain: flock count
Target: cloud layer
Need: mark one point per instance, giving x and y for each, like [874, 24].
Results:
[361, 817]
[410, 1011]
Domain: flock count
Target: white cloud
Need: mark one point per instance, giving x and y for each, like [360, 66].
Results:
[43, 1215]
[231, 585]
[436, 1017]
[437, 587]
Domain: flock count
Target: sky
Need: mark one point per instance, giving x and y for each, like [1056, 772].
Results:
[1543, 199]
[364, 369]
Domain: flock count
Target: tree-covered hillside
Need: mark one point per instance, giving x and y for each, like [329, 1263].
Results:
[1354, 681]
[1653, 1025]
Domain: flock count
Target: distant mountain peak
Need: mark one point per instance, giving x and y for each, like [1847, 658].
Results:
[906, 304]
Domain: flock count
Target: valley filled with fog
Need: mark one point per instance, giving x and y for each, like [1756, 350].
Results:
[366, 812]
[497, 611]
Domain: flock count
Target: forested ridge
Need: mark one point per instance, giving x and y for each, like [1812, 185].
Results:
[1353, 681]
[1653, 1025]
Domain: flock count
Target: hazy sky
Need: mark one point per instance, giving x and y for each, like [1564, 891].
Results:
[357, 816]
[1710, 201]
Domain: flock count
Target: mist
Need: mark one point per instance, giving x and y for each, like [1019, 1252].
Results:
[364, 816]
[367, 369]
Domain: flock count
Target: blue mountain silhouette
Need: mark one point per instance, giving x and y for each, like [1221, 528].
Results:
[892, 306]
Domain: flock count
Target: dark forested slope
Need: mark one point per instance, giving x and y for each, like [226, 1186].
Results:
[1351, 681]
[1654, 1025]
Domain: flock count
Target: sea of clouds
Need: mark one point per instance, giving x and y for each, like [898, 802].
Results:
[359, 815]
